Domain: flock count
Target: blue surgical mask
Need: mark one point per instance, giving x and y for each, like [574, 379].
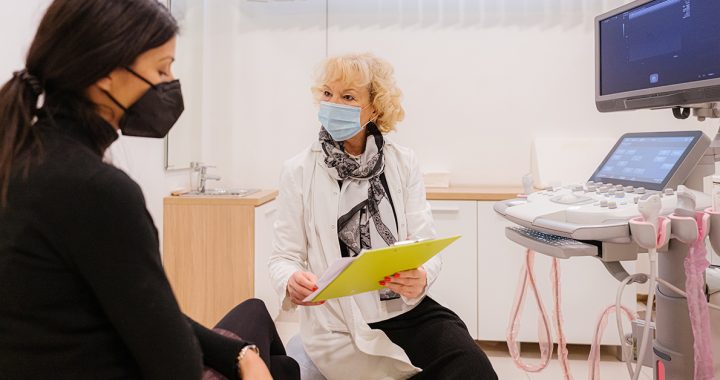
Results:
[340, 121]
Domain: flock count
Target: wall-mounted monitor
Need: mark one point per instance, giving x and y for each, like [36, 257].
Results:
[657, 54]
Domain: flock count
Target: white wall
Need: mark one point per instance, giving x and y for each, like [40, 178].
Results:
[266, 108]
[481, 79]
[18, 21]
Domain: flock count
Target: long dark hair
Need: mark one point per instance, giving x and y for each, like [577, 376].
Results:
[77, 43]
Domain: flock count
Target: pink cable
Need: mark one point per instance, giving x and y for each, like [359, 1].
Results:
[527, 275]
[695, 265]
[594, 357]
[562, 342]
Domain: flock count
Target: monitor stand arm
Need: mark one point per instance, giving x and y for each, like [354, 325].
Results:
[701, 111]
[706, 166]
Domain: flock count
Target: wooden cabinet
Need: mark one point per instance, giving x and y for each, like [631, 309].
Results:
[209, 248]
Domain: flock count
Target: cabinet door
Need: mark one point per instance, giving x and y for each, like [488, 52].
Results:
[264, 219]
[499, 261]
[456, 286]
[587, 288]
[208, 256]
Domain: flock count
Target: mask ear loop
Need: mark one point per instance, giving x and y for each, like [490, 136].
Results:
[117, 103]
[133, 72]
[372, 119]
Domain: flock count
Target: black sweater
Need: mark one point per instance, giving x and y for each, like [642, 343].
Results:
[83, 293]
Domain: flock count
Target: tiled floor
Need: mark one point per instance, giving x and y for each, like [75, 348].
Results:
[610, 367]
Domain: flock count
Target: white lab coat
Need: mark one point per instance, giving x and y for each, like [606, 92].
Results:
[334, 334]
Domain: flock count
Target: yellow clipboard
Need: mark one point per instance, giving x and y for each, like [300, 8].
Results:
[360, 274]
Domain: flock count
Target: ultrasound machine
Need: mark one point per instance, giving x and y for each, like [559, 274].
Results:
[650, 54]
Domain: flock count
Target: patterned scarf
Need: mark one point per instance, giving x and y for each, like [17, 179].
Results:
[366, 219]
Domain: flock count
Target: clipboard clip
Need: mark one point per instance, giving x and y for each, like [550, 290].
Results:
[405, 242]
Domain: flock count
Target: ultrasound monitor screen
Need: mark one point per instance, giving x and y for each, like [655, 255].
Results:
[660, 43]
[646, 159]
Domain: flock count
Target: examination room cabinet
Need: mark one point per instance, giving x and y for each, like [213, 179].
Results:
[481, 272]
[209, 252]
[216, 253]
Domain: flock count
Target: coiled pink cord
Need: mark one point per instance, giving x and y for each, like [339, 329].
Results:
[527, 278]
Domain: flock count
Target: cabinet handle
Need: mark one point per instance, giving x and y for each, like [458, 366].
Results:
[445, 209]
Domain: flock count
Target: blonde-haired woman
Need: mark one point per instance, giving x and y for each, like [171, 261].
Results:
[355, 189]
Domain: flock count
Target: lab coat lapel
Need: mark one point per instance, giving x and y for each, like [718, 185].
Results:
[395, 185]
[325, 208]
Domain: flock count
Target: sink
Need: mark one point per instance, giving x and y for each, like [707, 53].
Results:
[221, 193]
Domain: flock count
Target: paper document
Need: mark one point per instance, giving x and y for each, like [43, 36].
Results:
[354, 275]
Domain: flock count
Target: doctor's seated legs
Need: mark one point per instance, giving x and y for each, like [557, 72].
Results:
[436, 340]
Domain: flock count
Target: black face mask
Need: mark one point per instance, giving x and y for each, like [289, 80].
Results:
[155, 113]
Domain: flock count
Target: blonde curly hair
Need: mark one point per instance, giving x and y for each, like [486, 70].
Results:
[365, 70]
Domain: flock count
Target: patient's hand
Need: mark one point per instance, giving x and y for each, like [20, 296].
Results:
[410, 283]
[252, 367]
[301, 285]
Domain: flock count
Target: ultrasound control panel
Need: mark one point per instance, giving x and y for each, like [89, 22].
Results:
[638, 166]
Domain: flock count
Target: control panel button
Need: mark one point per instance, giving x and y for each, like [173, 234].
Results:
[629, 189]
[619, 187]
[640, 190]
[636, 199]
[591, 188]
[669, 191]
[612, 205]
[612, 191]
[603, 189]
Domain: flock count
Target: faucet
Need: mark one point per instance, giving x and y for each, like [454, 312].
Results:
[204, 177]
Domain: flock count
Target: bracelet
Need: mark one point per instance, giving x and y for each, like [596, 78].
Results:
[244, 350]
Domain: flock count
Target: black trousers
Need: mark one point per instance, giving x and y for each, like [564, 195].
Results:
[251, 321]
[436, 340]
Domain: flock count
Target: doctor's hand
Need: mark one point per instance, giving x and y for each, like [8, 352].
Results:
[300, 285]
[409, 283]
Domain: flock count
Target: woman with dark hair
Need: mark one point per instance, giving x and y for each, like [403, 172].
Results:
[82, 289]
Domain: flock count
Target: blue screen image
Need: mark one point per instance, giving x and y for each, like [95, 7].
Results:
[661, 43]
[645, 159]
